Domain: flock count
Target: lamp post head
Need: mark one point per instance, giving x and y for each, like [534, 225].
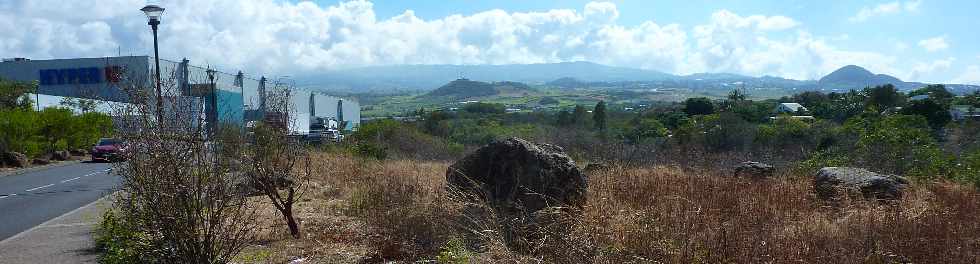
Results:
[153, 13]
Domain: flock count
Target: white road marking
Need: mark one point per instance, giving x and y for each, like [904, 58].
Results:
[46, 186]
[72, 179]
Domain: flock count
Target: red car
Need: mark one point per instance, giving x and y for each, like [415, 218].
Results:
[109, 150]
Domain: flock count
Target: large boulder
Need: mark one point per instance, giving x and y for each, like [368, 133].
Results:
[517, 179]
[830, 182]
[60, 155]
[754, 169]
[15, 159]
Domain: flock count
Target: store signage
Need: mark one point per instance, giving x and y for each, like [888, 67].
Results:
[87, 75]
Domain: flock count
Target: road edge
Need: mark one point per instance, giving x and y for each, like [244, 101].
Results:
[22, 233]
[36, 168]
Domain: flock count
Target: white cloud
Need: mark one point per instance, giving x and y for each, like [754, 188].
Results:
[923, 70]
[969, 76]
[278, 37]
[934, 44]
[901, 46]
[889, 8]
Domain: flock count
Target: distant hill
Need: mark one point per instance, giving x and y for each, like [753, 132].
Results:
[852, 76]
[465, 88]
[567, 82]
[399, 78]
[428, 77]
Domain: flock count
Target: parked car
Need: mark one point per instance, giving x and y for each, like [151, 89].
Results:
[109, 150]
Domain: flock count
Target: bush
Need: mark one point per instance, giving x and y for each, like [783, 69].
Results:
[370, 150]
[119, 241]
[34, 133]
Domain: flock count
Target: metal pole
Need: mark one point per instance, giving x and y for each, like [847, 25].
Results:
[156, 57]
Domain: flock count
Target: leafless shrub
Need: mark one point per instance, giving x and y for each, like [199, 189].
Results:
[180, 181]
[277, 165]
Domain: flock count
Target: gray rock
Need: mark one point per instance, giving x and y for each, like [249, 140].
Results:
[517, 179]
[830, 182]
[41, 161]
[754, 170]
[60, 155]
[15, 159]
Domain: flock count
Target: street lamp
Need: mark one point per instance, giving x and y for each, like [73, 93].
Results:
[153, 13]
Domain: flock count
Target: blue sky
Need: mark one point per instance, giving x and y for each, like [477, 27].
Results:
[916, 40]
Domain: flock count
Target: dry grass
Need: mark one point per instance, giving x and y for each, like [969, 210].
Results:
[369, 211]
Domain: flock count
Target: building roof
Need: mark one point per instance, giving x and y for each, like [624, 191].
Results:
[793, 106]
[919, 97]
[963, 108]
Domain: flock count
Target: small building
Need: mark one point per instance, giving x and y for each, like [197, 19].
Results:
[964, 112]
[919, 97]
[790, 108]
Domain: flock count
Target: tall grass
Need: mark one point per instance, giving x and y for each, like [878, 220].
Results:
[645, 215]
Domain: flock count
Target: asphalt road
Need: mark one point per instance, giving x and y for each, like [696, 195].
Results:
[29, 199]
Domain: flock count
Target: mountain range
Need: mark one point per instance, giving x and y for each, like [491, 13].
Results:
[395, 78]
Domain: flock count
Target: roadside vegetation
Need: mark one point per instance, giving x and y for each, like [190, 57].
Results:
[37, 134]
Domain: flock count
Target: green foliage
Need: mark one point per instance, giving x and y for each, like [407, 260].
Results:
[56, 126]
[698, 106]
[454, 252]
[33, 133]
[969, 169]
[599, 116]
[548, 101]
[935, 113]
[119, 242]
[644, 129]
[936, 92]
[785, 132]
[899, 144]
[579, 115]
[370, 150]
[484, 108]
[883, 97]
[13, 95]
[18, 129]
[718, 132]
[384, 138]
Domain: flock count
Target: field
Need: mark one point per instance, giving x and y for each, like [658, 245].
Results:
[360, 211]
[400, 105]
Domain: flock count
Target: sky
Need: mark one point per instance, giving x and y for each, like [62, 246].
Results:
[915, 40]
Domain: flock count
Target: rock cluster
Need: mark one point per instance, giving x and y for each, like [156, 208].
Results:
[14, 159]
[754, 169]
[831, 182]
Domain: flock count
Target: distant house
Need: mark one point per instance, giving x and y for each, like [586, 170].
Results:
[963, 112]
[919, 97]
[790, 108]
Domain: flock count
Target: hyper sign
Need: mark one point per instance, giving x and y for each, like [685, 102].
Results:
[87, 75]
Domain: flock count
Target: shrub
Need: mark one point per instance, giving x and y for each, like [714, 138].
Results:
[119, 241]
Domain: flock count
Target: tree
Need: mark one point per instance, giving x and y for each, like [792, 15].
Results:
[564, 118]
[934, 112]
[734, 99]
[646, 128]
[883, 97]
[579, 115]
[484, 108]
[698, 106]
[56, 125]
[936, 92]
[599, 116]
[14, 94]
